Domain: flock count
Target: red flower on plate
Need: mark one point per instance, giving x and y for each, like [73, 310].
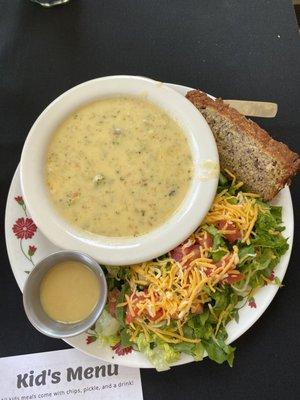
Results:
[31, 250]
[90, 339]
[24, 228]
[19, 200]
[120, 350]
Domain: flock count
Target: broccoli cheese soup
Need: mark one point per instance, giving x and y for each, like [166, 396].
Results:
[120, 166]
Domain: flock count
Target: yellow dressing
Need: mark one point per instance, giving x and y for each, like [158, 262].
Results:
[119, 166]
[69, 292]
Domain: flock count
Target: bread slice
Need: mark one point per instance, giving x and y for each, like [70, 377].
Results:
[245, 149]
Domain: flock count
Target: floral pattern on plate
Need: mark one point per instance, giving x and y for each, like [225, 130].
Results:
[24, 228]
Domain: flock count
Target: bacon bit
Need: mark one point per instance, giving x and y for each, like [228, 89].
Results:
[177, 253]
[133, 311]
[234, 275]
[195, 250]
[90, 339]
[129, 317]
[112, 301]
[252, 303]
[159, 313]
[224, 260]
[208, 271]
[181, 251]
[205, 240]
[120, 350]
[135, 298]
[233, 278]
[233, 233]
[197, 309]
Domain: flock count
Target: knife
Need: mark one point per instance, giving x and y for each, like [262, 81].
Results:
[254, 108]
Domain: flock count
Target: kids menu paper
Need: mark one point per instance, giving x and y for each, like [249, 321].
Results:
[66, 374]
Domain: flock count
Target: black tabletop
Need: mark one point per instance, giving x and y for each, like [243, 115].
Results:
[231, 48]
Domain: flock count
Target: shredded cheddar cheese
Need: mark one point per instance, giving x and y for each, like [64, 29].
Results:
[165, 292]
[174, 293]
[243, 214]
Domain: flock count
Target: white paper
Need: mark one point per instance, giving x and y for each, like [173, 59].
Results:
[66, 374]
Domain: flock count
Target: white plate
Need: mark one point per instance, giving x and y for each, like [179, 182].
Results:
[22, 260]
[121, 250]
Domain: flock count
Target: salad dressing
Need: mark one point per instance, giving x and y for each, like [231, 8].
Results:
[69, 292]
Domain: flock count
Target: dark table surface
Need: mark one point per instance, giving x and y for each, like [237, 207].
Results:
[229, 48]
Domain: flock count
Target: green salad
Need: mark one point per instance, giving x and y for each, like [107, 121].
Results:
[182, 301]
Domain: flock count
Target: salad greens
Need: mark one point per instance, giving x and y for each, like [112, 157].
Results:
[232, 258]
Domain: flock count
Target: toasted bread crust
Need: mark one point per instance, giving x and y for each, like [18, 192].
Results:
[288, 162]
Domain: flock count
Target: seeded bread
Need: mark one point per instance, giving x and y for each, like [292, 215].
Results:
[263, 164]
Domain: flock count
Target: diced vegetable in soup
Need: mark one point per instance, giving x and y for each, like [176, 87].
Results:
[120, 166]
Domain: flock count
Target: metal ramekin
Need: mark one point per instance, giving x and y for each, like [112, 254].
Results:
[31, 296]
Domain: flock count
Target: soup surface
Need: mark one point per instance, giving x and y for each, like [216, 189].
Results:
[69, 292]
[120, 166]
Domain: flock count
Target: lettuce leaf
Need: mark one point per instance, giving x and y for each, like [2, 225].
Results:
[203, 327]
[107, 328]
[159, 353]
[194, 349]
[125, 338]
[218, 351]
[120, 311]
[217, 238]
[246, 252]
[267, 230]
[223, 182]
